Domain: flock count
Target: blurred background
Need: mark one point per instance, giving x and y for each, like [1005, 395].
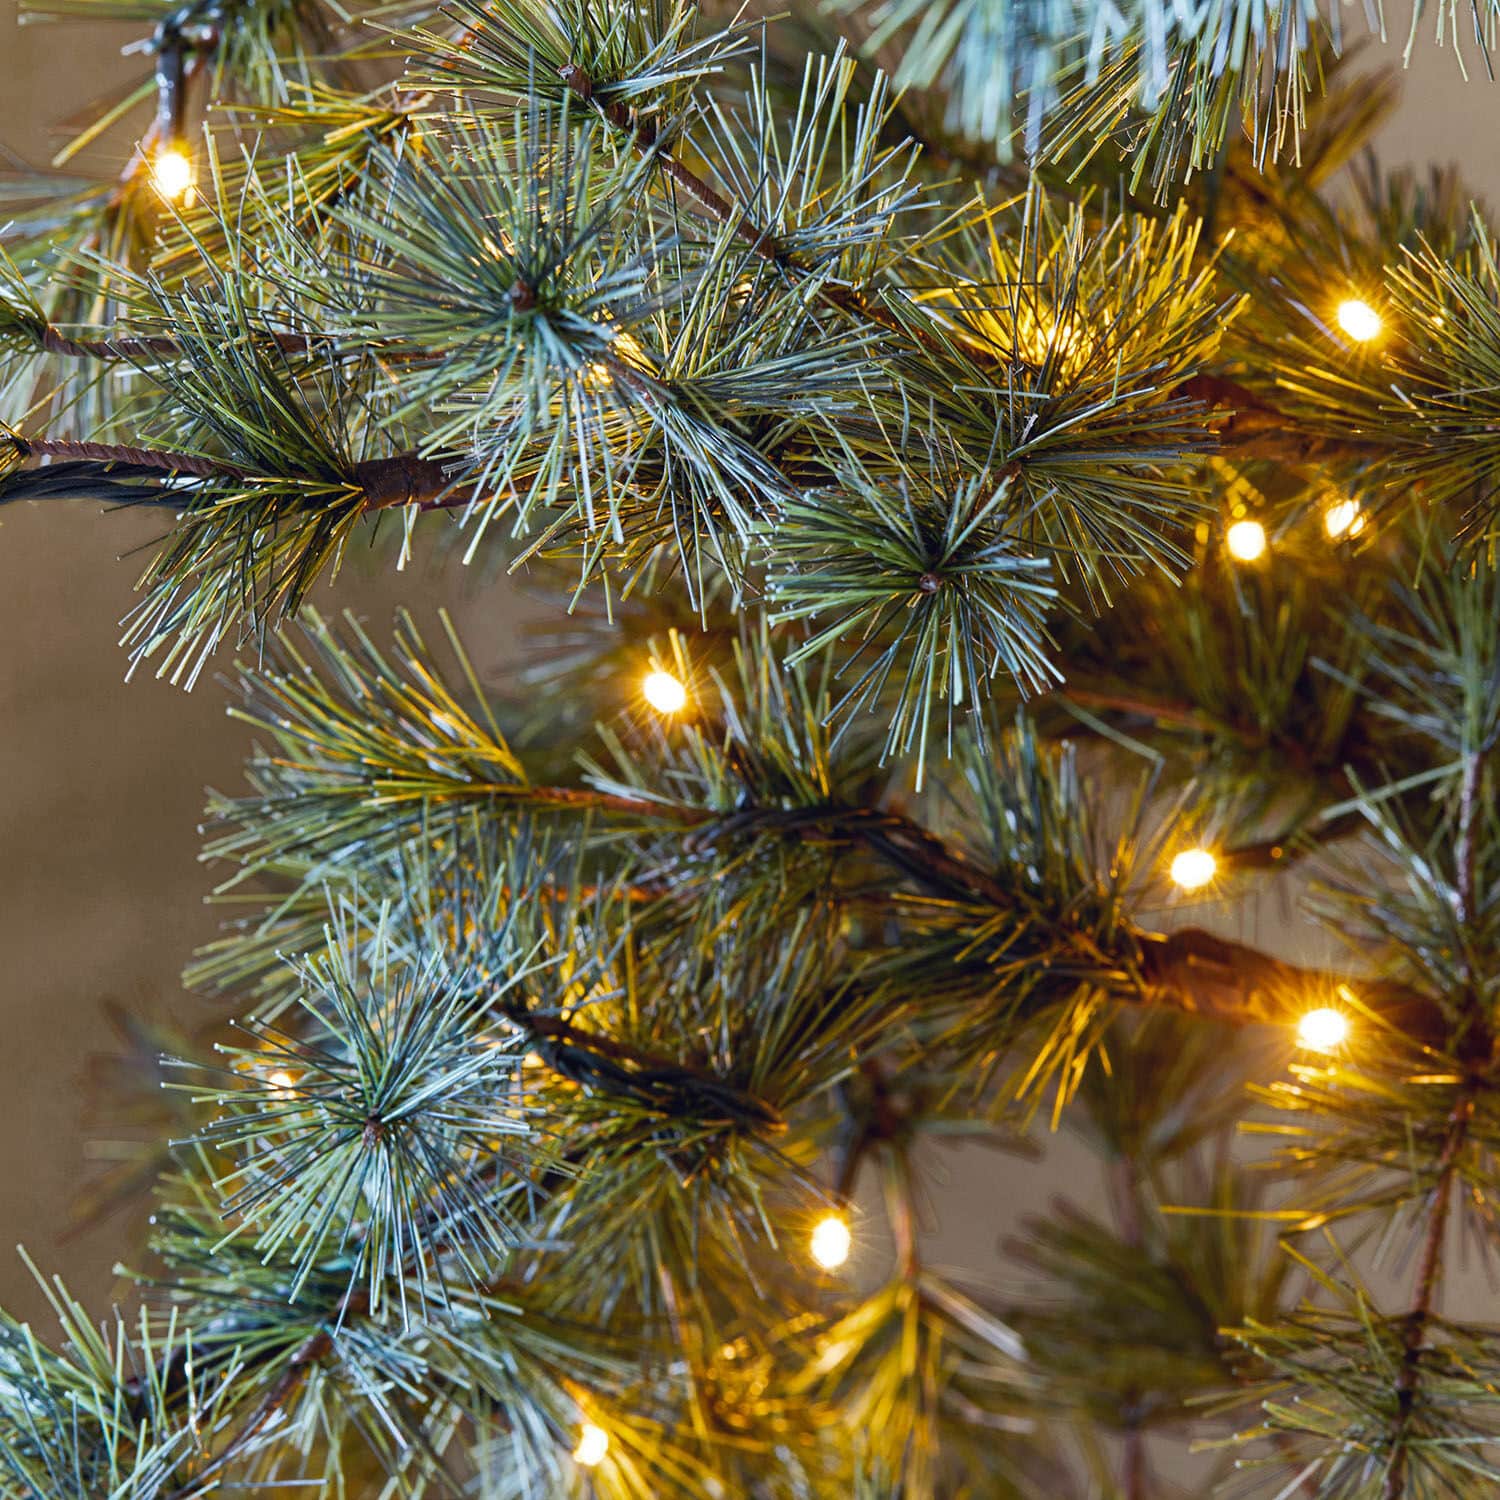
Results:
[101, 781]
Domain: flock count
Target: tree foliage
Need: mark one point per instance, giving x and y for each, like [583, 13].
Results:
[993, 538]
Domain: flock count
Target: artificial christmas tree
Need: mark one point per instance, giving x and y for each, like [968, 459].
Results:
[977, 513]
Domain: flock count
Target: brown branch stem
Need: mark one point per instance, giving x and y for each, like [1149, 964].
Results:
[1137, 1475]
[901, 1210]
[1252, 427]
[1429, 1279]
[120, 453]
[410, 479]
[142, 349]
[1185, 715]
[1123, 1183]
[1188, 970]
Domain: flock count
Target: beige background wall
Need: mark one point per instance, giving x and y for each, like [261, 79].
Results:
[100, 781]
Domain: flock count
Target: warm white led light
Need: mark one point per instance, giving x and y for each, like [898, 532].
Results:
[1246, 541]
[172, 173]
[831, 1242]
[1193, 869]
[1323, 1030]
[664, 693]
[593, 1444]
[1359, 320]
[1343, 518]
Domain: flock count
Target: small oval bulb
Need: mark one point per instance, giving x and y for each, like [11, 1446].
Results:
[831, 1242]
[172, 173]
[664, 693]
[1323, 1030]
[1343, 518]
[593, 1444]
[1193, 869]
[1358, 319]
[1246, 541]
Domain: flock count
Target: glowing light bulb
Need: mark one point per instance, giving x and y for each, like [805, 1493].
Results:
[1246, 541]
[593, 1444]
[664, 693]
[1193, 869]
[172, 173]
[1358, 319]
[1042, 339]
[1323, 1030]
[1343, 518]
[831, 1242]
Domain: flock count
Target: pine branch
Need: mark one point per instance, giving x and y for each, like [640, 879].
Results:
[643, 138]
[280, 1391]
[1252, 428]
[1188, 970]
[344, 775]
